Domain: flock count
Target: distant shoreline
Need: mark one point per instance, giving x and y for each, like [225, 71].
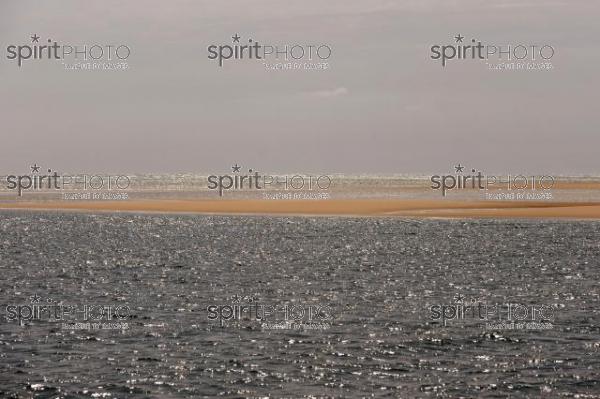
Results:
[350, 207]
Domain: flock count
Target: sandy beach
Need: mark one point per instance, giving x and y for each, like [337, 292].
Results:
[411, 208]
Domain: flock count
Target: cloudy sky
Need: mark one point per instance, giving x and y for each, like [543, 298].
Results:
[383, 106]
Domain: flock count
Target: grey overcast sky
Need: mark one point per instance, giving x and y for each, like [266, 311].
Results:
[383, 106]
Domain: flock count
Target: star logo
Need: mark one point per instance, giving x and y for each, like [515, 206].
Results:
[236, 38]
[35, 168]
[459, 168]
[236, 168]
[236, 298]
[458, 298]
[35, 38]
[459, 38]
[35, 298]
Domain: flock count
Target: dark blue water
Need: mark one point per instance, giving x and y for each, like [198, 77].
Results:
[373, 280]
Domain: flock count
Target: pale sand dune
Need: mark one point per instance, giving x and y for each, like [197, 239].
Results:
[413, 208]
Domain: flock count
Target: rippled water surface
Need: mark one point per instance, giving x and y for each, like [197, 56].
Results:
[378, 278]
